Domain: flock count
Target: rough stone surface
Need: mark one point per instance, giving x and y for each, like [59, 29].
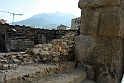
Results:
[26, 74]
[102, 18]
[88, 81]
[18, 44]
[99, 48]
[90, 20]
[57, 50]
[99, 56]
[13, 59]
[1, 66]
[110, 23]
[85, 4]
[102, 22]
[18, 38]
[74, 76]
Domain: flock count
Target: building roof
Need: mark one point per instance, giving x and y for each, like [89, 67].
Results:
[76, 18]
[62, 25]
[2, 21]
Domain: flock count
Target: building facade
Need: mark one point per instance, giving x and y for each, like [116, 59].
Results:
[2, 21]
[63, 27]
[75, 23]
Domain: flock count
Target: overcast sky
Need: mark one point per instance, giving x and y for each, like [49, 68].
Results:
[31, 7]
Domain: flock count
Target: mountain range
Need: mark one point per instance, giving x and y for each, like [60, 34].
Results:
[48, 20]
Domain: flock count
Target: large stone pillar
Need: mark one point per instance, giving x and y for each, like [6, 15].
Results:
[99, 48]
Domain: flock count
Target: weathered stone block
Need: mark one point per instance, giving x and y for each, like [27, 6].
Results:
[13, 42]
[26, 43]
[110, 23]
[88, 81]
[89, 21]
[92, 52]
[1, 66]
[83, 4]
[106, 22]
[102, 17]
[20, 43]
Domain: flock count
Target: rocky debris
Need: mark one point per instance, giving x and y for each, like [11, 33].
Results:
[12, 60]
[57, 50]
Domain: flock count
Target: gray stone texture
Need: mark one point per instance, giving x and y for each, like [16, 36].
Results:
[102, 18]
[99, 48]
[110, 23]
[90, 22]
[73, 76]
[88, 81]
[35, 72]
[100, 57]
[85, 4]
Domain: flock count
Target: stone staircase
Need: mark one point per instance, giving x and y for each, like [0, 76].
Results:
[64, 72]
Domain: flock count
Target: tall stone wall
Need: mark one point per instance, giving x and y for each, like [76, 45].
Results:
[99, 48]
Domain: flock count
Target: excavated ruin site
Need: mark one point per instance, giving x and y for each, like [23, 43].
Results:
[93, 55]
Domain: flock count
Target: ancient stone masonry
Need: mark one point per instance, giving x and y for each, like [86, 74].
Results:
[19, 38]
[57, 50]
[99, 48]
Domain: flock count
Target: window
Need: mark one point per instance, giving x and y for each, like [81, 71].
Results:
[78, 22]
[75, 21]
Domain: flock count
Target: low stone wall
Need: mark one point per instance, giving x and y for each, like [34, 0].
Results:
[57, 51]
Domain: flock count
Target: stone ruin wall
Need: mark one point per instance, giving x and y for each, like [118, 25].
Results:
[57, 46]
[99, 48]
[26, 37]
[58, 50]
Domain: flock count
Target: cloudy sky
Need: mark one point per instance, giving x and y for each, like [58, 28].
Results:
[31, 7]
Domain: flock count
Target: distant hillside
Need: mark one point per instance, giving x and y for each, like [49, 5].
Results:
[48, 20]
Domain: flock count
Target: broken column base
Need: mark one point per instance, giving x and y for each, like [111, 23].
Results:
[100, 57]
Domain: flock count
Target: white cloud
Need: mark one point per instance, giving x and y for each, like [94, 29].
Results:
[50, 6]
[2, 17]
[1, 9]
